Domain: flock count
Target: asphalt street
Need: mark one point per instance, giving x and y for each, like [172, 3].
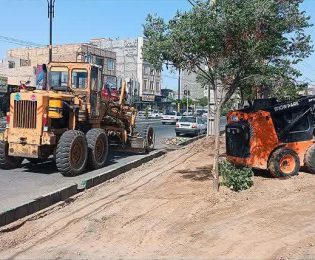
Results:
[21, 185]
[30, 182]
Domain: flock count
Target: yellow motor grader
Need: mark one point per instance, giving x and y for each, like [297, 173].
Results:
[70, 121]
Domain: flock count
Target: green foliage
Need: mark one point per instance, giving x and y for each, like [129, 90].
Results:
[235, 178]
[203, 102]
[239, 44]
[146, 112]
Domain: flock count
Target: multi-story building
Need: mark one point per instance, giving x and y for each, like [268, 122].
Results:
[144, 81]
[188, 81]
[20, 64]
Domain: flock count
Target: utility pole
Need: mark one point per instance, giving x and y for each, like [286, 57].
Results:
[51, 15]
[178, 91]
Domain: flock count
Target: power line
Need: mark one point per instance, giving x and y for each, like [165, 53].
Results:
[20, 42]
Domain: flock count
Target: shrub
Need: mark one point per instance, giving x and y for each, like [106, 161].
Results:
[236, 178]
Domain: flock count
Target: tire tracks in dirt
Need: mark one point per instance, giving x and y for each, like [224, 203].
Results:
[90, 208]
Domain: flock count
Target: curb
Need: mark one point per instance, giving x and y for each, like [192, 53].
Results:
[191, 140]
[67, 192]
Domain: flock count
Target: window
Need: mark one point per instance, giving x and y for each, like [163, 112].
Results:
[110, 64]
[151, 85]
[111, 82]
[145, 84]
[95, 84]
[188, 119]
[11, 64]
[146, 69]
[58, 78]
[79, 78]
[157, 86]
[25, 63]
[152, 72]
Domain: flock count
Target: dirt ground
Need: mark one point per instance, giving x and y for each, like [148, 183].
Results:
[166, 209]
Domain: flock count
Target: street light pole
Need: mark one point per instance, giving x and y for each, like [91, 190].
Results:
[178, 91]
[51, 15]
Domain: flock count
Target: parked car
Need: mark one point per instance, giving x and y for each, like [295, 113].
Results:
[190, 125]
[155, 114]
[170, 117]
[141, 114]
[200, 112]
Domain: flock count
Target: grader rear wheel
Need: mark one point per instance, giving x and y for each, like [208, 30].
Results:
[8, 162]
[71, 153]
[149, 138]
[98, 148]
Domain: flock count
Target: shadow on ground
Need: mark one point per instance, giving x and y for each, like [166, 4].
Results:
[197, 174]
[49, 166]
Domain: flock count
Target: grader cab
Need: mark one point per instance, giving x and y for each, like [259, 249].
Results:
[71, 122]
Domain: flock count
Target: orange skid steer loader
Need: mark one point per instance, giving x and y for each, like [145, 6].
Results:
[272, 135]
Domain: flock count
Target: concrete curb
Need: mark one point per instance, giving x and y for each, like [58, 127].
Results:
[67, 192]
[192, 140]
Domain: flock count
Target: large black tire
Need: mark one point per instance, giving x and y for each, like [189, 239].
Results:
[309, 159]
[71, 153]
[97, 148]
[284, 163]
[149, 138]
[8, 162]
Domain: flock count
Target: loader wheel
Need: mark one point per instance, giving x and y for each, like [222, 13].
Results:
[71, 153]
[284, 163]
[149, 138]
[309, 159]
[97, 148]
[8, 162]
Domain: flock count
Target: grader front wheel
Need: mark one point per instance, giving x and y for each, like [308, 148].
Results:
[8, 162]
[71, 153]
[98, 148]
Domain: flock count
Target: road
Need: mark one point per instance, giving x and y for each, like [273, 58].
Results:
[22, 185]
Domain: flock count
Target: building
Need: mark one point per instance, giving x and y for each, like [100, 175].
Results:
[188, 81]
[20, 64]
[168, 100]
[144, 82]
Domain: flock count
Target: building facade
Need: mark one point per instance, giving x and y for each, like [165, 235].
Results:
[143, 81]
[188, 81]
[20, 64]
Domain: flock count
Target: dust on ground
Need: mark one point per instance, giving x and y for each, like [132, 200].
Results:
[166, 209]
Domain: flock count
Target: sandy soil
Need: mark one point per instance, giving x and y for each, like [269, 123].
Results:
[166, 209]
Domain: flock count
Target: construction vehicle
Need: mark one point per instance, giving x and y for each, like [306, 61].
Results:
[272, 135]
[71, 122]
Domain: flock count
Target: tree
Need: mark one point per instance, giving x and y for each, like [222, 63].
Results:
[203, 102]
[233, 45]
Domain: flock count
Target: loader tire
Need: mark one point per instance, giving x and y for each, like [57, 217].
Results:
[284, 163]
[97, 148]
[8, 162]
[71, 153]
[309, 159]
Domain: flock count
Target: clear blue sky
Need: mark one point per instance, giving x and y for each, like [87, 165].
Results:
[81, 20]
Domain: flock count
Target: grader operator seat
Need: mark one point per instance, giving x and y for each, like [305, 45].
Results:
[82, 79]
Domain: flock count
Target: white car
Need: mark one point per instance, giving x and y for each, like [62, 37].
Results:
[170, 118]
[190, 125]
[154, 114]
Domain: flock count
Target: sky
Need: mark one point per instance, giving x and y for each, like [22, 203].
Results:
[81, 20]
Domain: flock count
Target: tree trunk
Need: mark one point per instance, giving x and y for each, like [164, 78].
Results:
[215, 169]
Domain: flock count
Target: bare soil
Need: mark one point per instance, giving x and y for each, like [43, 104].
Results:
[166, 209]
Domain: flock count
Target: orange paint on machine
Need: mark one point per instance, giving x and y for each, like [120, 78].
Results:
[273, 135]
